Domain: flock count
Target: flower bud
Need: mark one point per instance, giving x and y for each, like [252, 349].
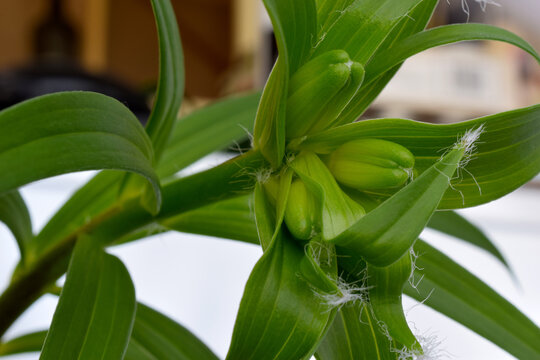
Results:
[371, 164]
[300, 213]
[319, 91]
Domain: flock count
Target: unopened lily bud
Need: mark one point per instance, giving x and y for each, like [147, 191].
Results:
[300, 213]
[319, 91]
[371, 164]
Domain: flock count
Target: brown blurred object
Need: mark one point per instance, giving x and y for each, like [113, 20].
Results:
[118, 37]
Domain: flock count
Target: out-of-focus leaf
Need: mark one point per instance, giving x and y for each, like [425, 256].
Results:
[206, 130]
[453, 224]
[71, 131]
[441, 36]
[451, 290]
[355, 335]
[507, 156]
[14, 213]
[32, 342]
[96, 309]
[386, 233]
[295, 26]
[170, 89]
[229, 219]
[91, 199]
[280, 316]
[155, 336]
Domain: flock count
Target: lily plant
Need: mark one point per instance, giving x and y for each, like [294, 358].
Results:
[336, 204]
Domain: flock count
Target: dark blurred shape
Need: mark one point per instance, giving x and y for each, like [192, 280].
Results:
[55, 69]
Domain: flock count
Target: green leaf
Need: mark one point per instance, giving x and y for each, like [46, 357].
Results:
[386, 287]
[294, 24]
[32, 342]
[96, 309]
[155, 336]
[507, 156]
[455, 292]
[362, 26]
[72, 131]
[355, 335]
[14, 213]
[416, 21]
[441, 36]
[86, 203]
[192, 138]
[337, 211]
[280, 316]
[206, 130]
[386, 233]
[229, 219]
[170, 89]
[453, 224]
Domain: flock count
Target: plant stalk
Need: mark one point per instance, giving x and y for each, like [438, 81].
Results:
[232, 178]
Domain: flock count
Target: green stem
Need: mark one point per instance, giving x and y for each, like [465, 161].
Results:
[224, 181]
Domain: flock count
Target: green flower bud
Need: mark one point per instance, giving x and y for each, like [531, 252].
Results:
[319, 91]
[371, 164]
[300, 213]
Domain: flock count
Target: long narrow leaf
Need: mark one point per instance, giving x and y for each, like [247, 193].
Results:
[450, 289]
[96, 309]
[415, 21]
[74, 131]
[507, 156]
[14, 213]
[209, 129]
[362, 26]
[155, 336]
[441, 36]
[453, 224]
[170, 88]
[32, 342]
[294, 24]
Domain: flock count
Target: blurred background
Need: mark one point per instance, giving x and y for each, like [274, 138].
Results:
[111, 47]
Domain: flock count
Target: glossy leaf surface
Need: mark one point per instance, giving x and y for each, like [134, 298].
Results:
[280, 315]
[361, 26]
[386, 233]
[72, 131]
[507, 156]
[294, 24]
[416, 21]
[96, 309]
[355, 335]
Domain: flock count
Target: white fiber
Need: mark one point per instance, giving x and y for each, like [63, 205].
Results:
[347, 294]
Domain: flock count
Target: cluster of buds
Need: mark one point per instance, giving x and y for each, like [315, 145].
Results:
[319, 91]
[317, 204]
